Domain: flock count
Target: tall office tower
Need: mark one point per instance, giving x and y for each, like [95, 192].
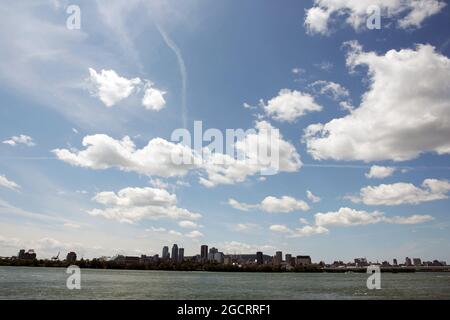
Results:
[175, 253]
[259, 257]
[278, 258]
[180, 254]
[395, 262]
[165, 253]
[288, 258]
[204, 253]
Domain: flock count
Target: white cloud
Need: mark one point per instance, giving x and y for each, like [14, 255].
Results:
[290, 105]
[379, 172]
[305, 231]
[153, 99]
[223, 169]
[166, 159]
[312, 197]
[316, 20]
[175, 233]
[133, 204]
[188, 224]
[400, 116]
[272, 204]
[283, 204]
[240, 205]
[110, 87]
[280, 228]
[103, 152]
[408, 13]
[332, 89]
[245, 227]
[403, 193]
[303, 221]
[20, 139]
[158, 183]
[352, 217]
[5, 182]
[194, 234]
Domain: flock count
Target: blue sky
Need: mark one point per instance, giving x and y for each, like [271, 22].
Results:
[209, 58]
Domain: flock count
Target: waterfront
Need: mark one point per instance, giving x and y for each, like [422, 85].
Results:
[50, 283]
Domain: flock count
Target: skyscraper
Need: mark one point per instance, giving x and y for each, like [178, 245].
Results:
[278, 258]
[181, 255]
[204, 253]
[288, 259]
[175, 253]
[165, 253]
[259, 257]
[211, 254]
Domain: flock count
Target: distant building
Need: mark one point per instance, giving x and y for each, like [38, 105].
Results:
[278, 258]
[175, 253]
[219, 257]
[180, 254]
[408, 262]
[29, 255]
[204, 253]
[165, 253]
[288, 259]
[71, 257]
[395, 262]
[361, 262]
[259, 257]
[211, 254]
[303, 260]
[417, 261]
[132, 260]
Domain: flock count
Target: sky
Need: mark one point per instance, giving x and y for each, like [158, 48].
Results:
[89, 104]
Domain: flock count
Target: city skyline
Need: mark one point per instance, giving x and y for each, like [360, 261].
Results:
[90, 116]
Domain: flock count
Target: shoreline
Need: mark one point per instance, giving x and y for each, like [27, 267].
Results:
[219, 268]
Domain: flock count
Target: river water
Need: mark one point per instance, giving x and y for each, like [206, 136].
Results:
[50, 283]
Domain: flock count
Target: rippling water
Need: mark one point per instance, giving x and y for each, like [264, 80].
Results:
[50, 283]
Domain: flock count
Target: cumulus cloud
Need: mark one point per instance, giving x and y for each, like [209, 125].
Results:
[290, 105]
[408, 13]
[154, 99]
[379, 172]
[351, 217]
[262, 151]
[272, 204]
[20, 139]
[103, 152]
[400, 116]
[253, 148]
[133, 204]
[5, 182]
[109, 87]
[403, 193]
[312, 197]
